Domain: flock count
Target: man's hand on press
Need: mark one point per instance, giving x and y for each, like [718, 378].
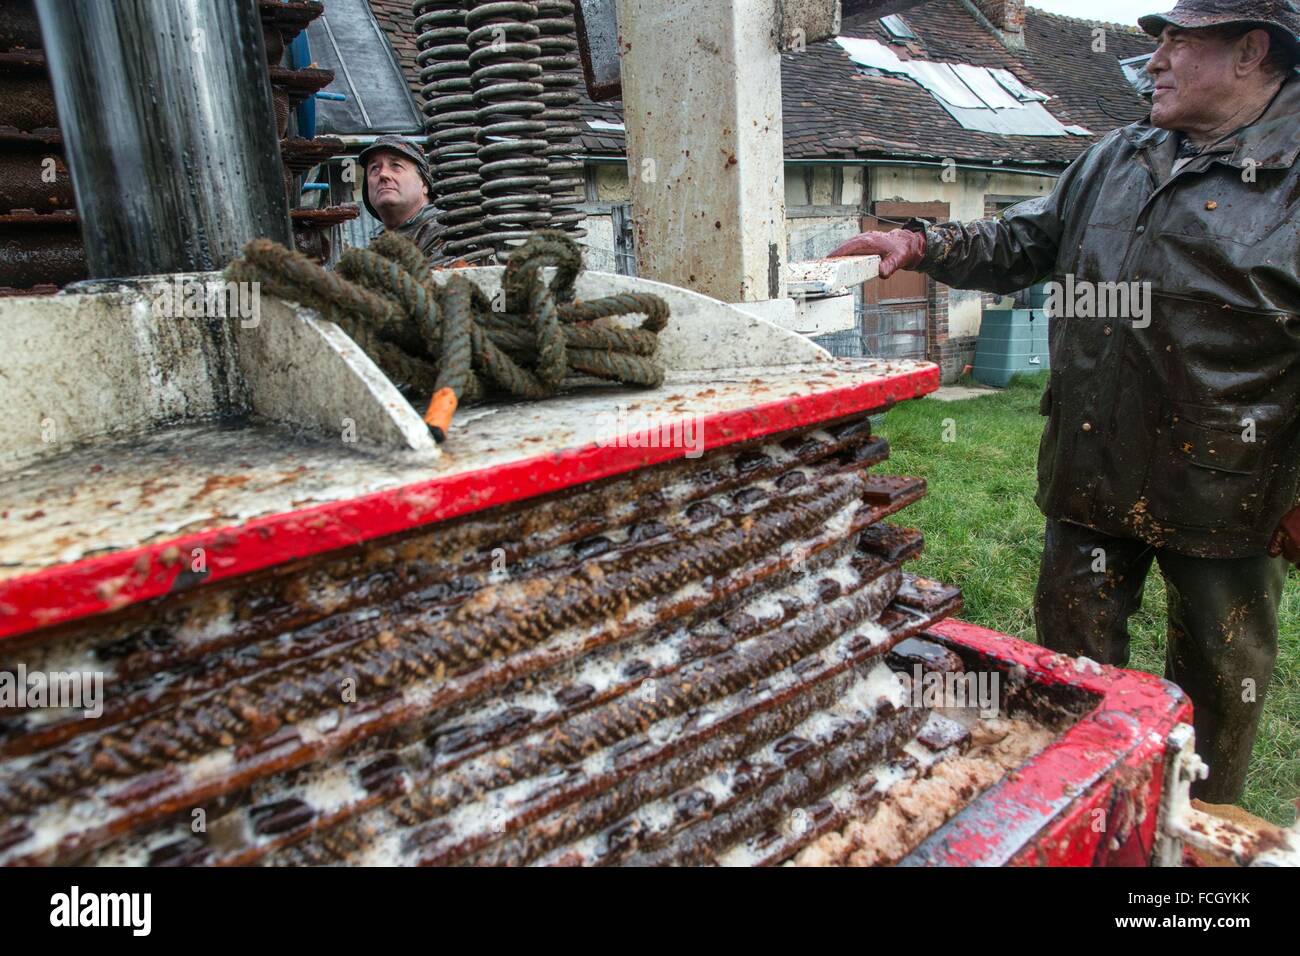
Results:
[1286, 539]
[898, 249]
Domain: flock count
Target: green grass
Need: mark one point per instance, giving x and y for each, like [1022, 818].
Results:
[984, 533]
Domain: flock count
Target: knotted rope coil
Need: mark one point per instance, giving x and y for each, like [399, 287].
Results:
[451, 340]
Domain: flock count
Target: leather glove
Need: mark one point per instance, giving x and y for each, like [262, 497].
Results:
[898, 249]
[1286, 539]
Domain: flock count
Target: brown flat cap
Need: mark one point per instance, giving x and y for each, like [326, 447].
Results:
[1280, 17]
[394, 144]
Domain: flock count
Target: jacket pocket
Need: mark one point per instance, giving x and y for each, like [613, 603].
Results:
[1210, 464]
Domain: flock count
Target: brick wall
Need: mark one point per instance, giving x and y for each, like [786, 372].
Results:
[937, 348]
[952, 355]
[991, 209]
[1008, 15]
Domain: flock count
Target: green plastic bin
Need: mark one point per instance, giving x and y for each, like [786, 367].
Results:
[1011, 341]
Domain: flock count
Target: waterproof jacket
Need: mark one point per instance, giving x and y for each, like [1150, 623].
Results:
[423, 230]
[1178, 427]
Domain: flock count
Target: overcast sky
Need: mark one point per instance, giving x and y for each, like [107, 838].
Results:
[1110, 11]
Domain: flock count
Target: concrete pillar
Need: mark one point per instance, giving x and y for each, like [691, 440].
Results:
[702, 105]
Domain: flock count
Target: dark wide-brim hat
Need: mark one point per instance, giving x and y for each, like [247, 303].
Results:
[393, 144]
[1280, 17]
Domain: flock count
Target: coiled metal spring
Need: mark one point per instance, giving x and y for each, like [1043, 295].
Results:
[508, 91]
[560, 78]
[451, 123]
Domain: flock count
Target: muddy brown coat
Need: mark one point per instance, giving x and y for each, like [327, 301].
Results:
[1150, 429]
[424, 230]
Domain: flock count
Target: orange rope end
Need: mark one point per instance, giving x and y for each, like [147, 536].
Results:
[438, 415]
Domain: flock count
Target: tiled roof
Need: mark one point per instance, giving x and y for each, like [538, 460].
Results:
[892, 116]
[833, 110]
[1090, 86]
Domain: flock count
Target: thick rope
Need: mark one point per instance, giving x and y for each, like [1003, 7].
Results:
[452, 341]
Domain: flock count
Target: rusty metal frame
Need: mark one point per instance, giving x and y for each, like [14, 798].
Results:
[67, 592]
[1105, 769]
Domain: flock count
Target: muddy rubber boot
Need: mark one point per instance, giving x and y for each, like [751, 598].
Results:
[1221, 649]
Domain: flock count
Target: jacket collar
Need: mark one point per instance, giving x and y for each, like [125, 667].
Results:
[1271, 142]
[1274, 140]
[420, 218]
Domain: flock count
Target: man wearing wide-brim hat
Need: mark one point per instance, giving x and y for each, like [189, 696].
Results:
[1173, 421]
[397, 189]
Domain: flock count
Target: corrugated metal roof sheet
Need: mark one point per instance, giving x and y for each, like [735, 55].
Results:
[1012, 85]
[1135, 69]
[898, 27]
[986, 87]
[1032, 120]
[943, 83]
[975, 96]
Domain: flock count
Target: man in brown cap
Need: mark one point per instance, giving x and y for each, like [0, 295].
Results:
[1173, 432]
[397, 190]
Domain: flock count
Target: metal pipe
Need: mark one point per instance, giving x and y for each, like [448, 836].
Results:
[932, 164]
[168, 130]
[596, 160]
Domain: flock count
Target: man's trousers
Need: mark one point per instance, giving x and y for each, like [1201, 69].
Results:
[1222, 631]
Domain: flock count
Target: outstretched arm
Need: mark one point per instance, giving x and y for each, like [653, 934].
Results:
[993, 255]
